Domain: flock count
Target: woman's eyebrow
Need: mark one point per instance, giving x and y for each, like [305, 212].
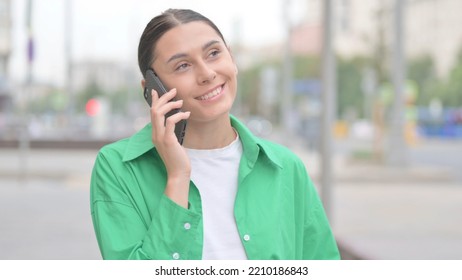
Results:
[176, 56]
[182, 55]
[209, 44]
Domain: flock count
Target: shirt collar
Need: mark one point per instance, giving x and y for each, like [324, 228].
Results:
[252, 145]
[141, 142]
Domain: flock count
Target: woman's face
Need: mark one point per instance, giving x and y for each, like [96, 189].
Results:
[194, 59]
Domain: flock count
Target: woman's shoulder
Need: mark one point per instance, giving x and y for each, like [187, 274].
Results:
[279, 151]
[276, 147]
[115, 149]
[129, 148]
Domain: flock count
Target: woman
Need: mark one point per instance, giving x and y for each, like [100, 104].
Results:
[224, 194]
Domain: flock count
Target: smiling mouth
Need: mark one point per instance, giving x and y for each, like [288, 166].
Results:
[211, 94]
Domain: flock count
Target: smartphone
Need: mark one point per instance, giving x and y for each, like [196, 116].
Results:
[153, 82]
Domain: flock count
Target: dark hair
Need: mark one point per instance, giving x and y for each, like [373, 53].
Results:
[159, 25]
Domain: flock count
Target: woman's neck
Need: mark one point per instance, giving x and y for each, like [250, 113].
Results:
[209, 135]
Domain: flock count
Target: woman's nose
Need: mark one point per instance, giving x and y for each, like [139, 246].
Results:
[206, 74]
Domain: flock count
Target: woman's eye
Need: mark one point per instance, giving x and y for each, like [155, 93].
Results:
[214, 53]
[182, 66]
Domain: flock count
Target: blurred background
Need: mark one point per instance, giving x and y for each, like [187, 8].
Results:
[367, 93]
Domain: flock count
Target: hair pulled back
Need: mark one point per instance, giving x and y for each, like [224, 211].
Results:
[159, 25]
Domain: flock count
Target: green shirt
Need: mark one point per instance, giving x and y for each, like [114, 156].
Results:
[277, 210]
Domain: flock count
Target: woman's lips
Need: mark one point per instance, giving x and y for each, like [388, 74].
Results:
[211, 94]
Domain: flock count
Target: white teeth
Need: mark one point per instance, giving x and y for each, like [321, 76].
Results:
[210, 95]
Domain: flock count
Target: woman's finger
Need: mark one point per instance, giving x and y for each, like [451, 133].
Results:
[172, 105]
[173, 120]
[164, 99]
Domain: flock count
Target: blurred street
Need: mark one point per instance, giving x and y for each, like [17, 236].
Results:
[378, 212]
[46, 215]
[375, 91]
[382, 212]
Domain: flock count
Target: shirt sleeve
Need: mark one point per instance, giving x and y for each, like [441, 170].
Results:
[121, 231]
[318, 240]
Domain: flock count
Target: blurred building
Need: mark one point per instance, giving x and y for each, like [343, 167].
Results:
[5, 35]
[5, 52]
[361, 27]
[434, 27]
[110, 76]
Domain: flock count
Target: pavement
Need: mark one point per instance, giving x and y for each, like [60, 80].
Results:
[45, 212]
[378, 212]
[389, 213]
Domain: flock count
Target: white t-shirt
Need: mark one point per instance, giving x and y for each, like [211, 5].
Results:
[215, 174]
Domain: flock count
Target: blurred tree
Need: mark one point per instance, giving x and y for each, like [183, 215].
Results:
[53, 101]
[93, 90]
[249, 83]
[121, 98]
[421, 70]
[307, 67]
[350, 96]
[250, 88]
[304, 67]
[378, 46]
[452, 89]
[349, 77]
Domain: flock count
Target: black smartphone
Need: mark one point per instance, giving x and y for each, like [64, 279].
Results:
[153, 82]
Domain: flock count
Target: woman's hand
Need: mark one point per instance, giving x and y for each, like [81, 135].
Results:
[172, 153]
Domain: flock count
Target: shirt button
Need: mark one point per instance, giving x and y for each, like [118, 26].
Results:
[246, 237]
[187, 226]
[176, 256]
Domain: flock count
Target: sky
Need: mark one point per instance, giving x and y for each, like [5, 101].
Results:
[110, 30]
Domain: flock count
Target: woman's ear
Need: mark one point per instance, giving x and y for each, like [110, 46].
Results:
[143, 83]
